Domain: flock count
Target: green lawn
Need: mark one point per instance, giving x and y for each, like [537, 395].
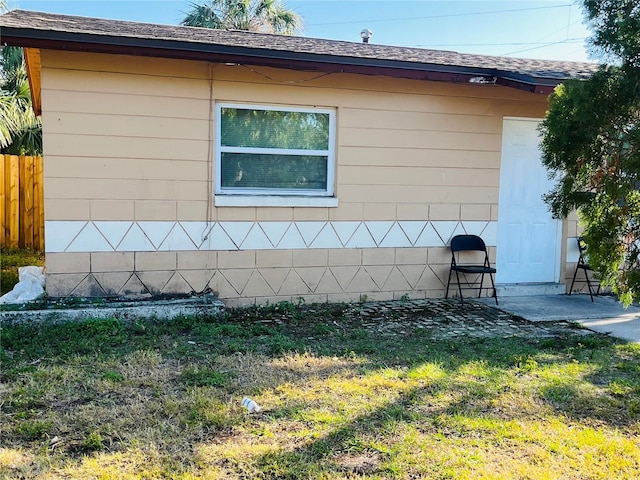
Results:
[341, 398]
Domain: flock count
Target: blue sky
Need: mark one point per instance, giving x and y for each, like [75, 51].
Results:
[547, 29]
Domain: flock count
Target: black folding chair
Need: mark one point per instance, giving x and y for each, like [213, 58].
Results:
[585, 267]
[470, 243]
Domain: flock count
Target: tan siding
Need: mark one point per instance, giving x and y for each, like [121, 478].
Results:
[379, 211]
[126, 104]
[145, 122]
[65, 209]
[412, 211]
[126, 126]
[310, 214]
[396, 120]
[127, 169]
[286, 95]
[124, 147]
[271, 214]
[124, 131]
[417, 176]
[112, 210]
[161, 210]
[233, 214]
[124, 83]
[68, 262]
[444, 212]
[125, 63]
[475, 212]
[192, 211]
[127, 138]
[349, 211]
[407, 157]
[374, 137]
[412, 194]
[405, 102]
[318, 275]
[140, 189]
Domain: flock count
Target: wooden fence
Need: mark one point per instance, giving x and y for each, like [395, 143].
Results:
[21, 202]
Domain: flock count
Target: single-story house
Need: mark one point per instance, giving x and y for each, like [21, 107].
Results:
[268, 168]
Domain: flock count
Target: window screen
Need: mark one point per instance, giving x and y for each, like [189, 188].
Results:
[265, 150]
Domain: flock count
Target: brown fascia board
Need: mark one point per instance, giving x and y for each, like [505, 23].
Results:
[32, 62]
[56, 40]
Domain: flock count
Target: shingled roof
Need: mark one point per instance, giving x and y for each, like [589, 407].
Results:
[53, 31]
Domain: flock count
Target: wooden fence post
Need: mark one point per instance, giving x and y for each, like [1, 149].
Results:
[14, 199]
[21, 202]
[27, 208]
[3, 200]
[38, 204]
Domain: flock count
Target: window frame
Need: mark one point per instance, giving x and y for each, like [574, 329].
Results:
[286, 196]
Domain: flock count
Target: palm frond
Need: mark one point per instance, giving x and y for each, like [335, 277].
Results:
[20, 128]
[268, 16]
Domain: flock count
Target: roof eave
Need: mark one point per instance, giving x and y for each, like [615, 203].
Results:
[32, 63]
[60, 40]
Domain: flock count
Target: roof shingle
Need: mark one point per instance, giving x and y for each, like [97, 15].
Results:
[20, 24]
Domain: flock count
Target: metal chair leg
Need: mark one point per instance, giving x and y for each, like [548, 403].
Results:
[573, 281]
[459, 288]
[495, 292]
[586, 275]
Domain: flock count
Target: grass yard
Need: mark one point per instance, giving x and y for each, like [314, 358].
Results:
[10, 260]
[341, 398]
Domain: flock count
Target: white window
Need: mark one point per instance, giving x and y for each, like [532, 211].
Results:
[274, 151]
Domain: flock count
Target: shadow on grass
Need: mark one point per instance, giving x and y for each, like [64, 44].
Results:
[581, 377]
[370, 443]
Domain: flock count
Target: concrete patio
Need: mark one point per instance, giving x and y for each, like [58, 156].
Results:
[604, 315]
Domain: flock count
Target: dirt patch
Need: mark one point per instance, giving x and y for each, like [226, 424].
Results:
[362, 463]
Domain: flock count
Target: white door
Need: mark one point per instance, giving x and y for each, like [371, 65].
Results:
[529, 239]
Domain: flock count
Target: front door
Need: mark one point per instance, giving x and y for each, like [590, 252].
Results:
[529, 239]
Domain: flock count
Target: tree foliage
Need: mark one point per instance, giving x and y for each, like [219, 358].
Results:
[591, 143]
[20, 128]
[266, 16]
[616, 27]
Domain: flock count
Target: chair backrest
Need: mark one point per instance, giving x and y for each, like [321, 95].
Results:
[582, 246]
[583, 261]
[461, 243]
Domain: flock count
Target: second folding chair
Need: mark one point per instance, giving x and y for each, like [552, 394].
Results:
[584, 266]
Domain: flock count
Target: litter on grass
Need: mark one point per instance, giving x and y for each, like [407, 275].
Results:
[250, 405]
[30, 286]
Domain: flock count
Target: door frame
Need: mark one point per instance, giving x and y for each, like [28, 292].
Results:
[557, 262]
